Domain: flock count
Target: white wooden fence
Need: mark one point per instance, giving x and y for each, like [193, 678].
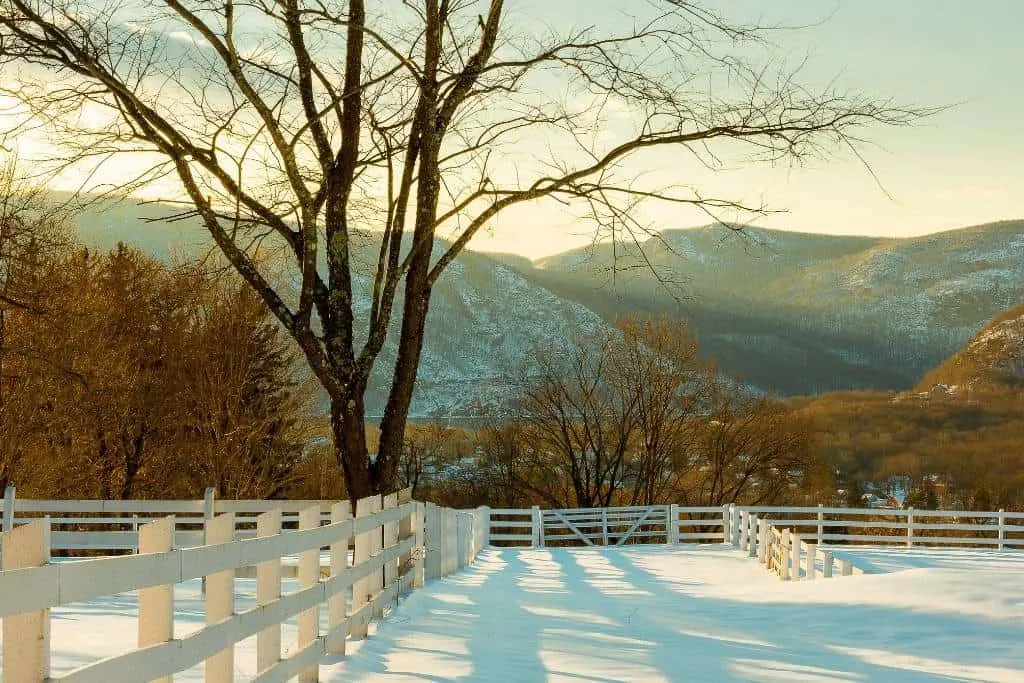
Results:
[535, 527]
[907, 527]
[396, 544]
[784, 552]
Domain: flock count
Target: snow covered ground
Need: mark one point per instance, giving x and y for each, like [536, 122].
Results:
[701, 614]
[653, 613]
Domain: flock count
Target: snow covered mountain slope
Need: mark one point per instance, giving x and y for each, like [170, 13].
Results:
[992, 359]
[787, 312]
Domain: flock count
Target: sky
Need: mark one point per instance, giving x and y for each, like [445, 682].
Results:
[957, 168]
[960, 167]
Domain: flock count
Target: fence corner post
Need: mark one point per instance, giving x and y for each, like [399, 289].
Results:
[672, 537]
[1001, 532]
[8, 509]
[910, 527]
[26, 637]
[538, 527]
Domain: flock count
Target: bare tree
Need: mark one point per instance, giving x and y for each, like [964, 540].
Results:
[752, 450]
[31, 240]
[580, 424]
[658, 364]
[329, 131]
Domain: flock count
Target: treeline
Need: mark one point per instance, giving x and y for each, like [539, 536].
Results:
[123, 377]
[943, 452]
[630, 418]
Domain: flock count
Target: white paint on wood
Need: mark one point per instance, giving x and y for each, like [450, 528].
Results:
[309, 575]
[1001, 533]
[821, 522]
[390, 538]
[811, 566]
[361, 589]
[787, 553]
[156, 604]
[219, 600]
[339, 563]
[420, 547]
[26, 637]
[268, 589]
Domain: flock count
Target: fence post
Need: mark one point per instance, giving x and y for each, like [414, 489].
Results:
[26, 637]
[8, 510]
[483, 521]
[405, 530]
[725, 524]
[846, 567]
[795, 542]
[209, 503]
[762, 540]
[451, 538]
[821, 523]
[464, 526]
[741, 531]
[362, 589]
[672, 537]
[336, 603]
[910, 527]
[734, 530]
[604, 526]
[811, 566]
[309, 575]
[827, 561]
[432, 552]
[220, 598]
[390, 538]
[753, 536]
[268, 589]
[420, 549]
[156, 604]
[787, 553]
[1001, 533]
[538, 526]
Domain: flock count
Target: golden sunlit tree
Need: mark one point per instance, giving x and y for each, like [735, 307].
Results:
[348, 136]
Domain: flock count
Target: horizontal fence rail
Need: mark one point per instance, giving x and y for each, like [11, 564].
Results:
[536, 527]
[380, 547]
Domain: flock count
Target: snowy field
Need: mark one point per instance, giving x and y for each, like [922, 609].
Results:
[652, 613]
[703, 613]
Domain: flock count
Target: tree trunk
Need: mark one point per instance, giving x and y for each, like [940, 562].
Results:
[348, 423]
[396, 412]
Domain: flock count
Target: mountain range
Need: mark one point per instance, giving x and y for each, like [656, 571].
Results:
[787, 313]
